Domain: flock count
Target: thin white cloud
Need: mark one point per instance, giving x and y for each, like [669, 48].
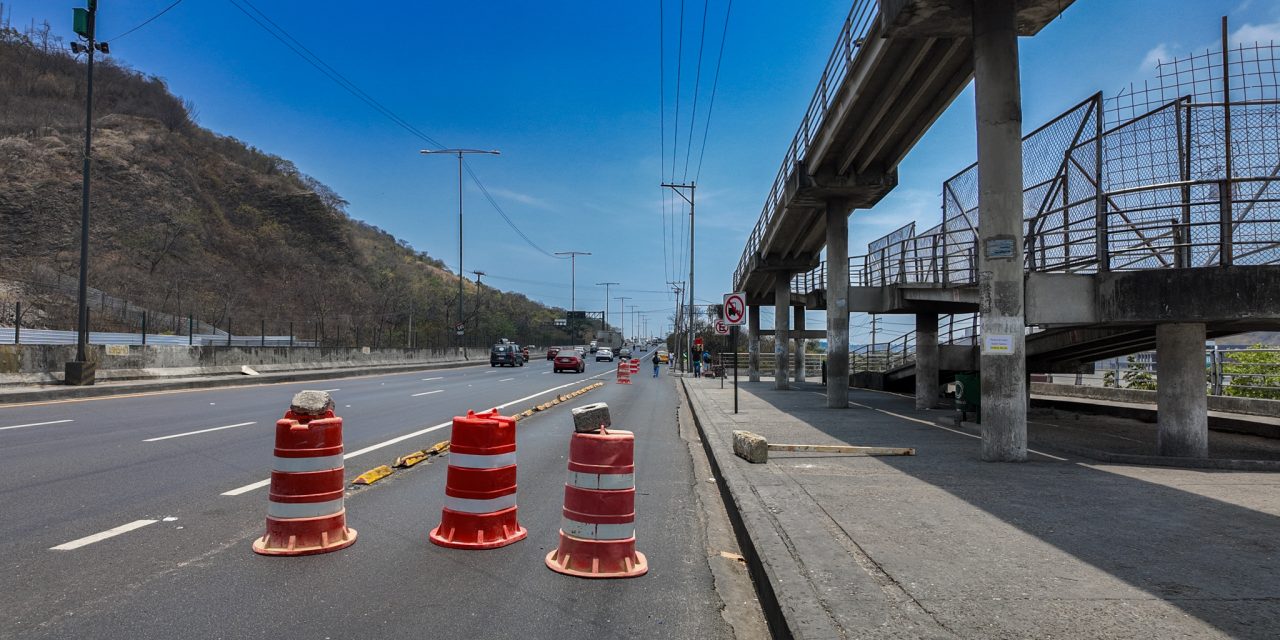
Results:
[522, 198]
[1154, 56]
[1251, 33]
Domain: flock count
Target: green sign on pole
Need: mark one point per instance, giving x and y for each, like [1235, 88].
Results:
[82, 22]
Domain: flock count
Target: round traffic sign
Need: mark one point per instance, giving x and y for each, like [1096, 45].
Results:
[735, 308]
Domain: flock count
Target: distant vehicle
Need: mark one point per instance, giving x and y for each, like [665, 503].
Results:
[551, 352]
[663, 356]
[603, 355]
[624, 353]
[594, 346]
[569, 360]
[505, 354]
[524, 352]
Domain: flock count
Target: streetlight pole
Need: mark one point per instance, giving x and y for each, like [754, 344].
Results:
[679, 190]
[81, 372]
[461, 278]
[623, 316]
[606, 286]
[573, 269]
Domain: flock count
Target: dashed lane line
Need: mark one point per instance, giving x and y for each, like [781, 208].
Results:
[427, 393]
[506, 380]
[98, 537]
[435, 378]
[35, 424]
[386, 443]
[192, 433]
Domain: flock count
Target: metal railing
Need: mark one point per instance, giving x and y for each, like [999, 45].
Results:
[953, 328]
[1096, 203]
[861, 19]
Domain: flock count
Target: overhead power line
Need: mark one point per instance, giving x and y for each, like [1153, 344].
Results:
[310, 57]
[697, 82]
[145, 22]
[706, 126]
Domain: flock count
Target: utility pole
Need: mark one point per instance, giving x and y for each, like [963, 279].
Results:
[461, 327]
[678, 287]
[871, 353]
[82, 372]
[679, 190]
[573, 268]
[623, 316]
[605, 325]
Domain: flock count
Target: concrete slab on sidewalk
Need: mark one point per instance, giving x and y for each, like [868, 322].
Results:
[944, 545]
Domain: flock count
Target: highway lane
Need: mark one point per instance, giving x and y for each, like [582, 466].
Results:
[65, 481]
[210, 584]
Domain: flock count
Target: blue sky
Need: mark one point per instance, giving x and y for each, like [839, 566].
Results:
[569, 92]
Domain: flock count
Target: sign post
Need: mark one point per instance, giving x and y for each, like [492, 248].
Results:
[735, 315]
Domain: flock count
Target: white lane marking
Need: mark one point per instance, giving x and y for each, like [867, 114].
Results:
[427, 393]
[247, 488]
[329, 390]
[506, 380]
[262, 483]
[35, 424]
[545, 372]
[192, 433]
[435, 378]
[934, 424]
[97, 537]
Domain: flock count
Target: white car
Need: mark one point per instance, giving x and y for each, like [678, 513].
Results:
[603, 355]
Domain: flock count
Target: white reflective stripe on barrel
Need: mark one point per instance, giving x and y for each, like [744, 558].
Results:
[472, 461]
[298, 465]
[303, 509]
[589, 531]
[468, 505]
[606, 481]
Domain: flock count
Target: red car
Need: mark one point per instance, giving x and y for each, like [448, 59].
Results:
[569, 360]
[551, 352]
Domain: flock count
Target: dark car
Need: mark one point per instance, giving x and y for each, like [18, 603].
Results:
[551, 352]
[624, 353]
[569, 360]
[505, 354]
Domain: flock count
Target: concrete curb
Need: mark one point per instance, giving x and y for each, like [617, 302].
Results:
[750, 525]
[1224, 464]
[108, 389]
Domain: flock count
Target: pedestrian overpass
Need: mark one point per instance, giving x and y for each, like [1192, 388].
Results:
[1151, 218]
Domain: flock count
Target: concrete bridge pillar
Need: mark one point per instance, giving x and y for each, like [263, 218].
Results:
[781, 336]
[837, 304]
[1182, 417]
[753, 343]
[798, 324]
[998, 102]
[926, 360]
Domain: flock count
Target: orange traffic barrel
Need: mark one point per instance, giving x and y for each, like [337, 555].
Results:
[480, 489]
[597, 530]
[306, 513]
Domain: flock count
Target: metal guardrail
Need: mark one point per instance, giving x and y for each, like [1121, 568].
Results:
[862, 16]
[52, 336]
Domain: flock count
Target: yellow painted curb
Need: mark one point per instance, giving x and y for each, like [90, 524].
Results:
[411, 459]
[440, 447]
[373, 475]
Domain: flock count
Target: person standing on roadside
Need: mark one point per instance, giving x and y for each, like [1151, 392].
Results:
[656, 362]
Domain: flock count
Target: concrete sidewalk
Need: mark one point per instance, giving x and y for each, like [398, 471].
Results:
[943, 545]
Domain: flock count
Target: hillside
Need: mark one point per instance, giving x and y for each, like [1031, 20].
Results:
[187, 221]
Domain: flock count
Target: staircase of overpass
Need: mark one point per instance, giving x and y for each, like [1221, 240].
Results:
[1159, 204]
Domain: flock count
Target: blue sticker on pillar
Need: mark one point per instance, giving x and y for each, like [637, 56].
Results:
[999, 248]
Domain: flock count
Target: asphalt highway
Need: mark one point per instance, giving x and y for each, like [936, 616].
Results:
[134, 517]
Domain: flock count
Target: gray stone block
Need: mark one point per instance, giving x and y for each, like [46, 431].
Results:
[311, 403]
[590, 417]
[750, 447]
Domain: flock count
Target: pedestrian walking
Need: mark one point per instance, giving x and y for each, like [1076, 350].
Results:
[656, 363]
